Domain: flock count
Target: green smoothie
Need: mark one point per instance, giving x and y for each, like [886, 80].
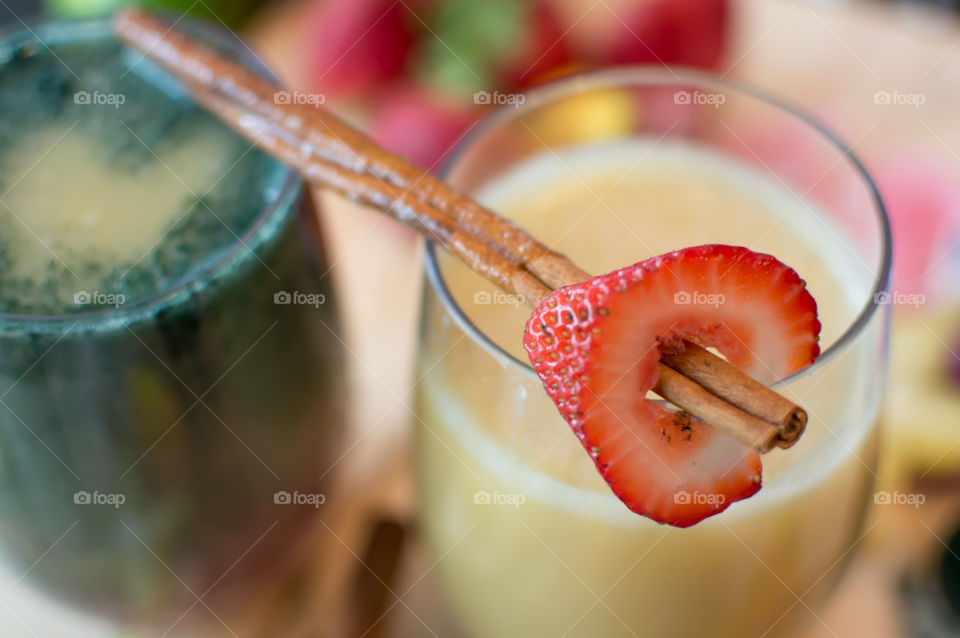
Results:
[169, 361]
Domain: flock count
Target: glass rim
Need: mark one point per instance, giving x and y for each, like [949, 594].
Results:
[653, 75]
[286, 181]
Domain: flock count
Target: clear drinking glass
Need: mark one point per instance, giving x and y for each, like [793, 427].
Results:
[162, 458]
[528, 540]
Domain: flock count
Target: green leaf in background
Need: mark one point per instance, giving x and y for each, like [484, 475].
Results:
[232, 12]
[468, 41]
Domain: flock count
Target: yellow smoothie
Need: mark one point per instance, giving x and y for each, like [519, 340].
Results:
[529, 539]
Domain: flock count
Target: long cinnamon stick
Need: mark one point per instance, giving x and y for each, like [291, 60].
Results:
[369, 190]
[329, 152]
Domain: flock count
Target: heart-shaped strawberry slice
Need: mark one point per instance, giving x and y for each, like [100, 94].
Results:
[596, 347]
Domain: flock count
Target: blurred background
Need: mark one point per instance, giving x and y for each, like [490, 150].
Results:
[418, 74]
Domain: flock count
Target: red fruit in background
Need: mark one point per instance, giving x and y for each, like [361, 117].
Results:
[355, 45]
[544, 49]
[923, 199]
[420, 124]
[678, 32]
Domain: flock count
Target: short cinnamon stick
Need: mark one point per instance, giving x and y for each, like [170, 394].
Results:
[724, 379]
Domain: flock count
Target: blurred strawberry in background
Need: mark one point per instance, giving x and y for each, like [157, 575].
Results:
[418, 69]
[922, 197]
[355, 46]
[422, 123]
[415, 70]
[675, 32]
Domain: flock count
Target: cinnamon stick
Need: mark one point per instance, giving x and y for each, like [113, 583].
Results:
[724, 379]
[366, 189]
[329, 137]
[329, 152]
[743, 426]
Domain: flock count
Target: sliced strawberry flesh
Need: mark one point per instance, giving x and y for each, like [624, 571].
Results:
[596, 346]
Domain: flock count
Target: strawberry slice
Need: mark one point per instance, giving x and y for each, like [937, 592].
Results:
[595, 346]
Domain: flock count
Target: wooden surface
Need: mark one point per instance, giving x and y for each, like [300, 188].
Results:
[829, 57]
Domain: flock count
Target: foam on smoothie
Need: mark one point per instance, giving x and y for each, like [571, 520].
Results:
[112, 187]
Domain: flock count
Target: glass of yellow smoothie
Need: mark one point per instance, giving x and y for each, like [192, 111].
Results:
[609, 168]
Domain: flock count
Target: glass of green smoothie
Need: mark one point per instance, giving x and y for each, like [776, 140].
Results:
[171, 384]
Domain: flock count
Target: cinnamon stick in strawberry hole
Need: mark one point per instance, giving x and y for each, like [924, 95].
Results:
[330, 153]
